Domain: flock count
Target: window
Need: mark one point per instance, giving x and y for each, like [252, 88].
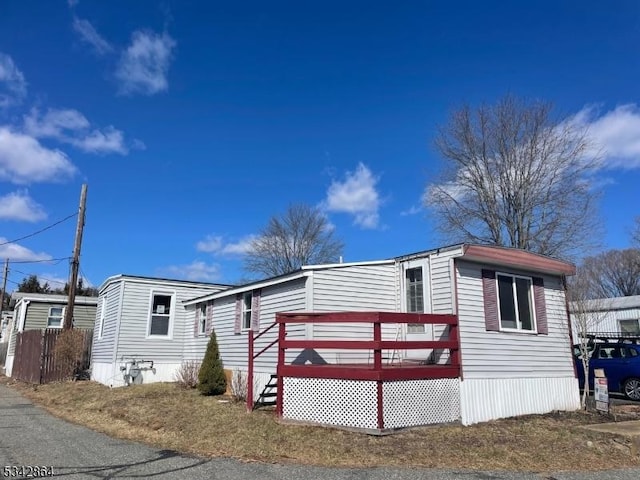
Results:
[415, 297]
[629, 326]
[160, 315]
[246, 310]
[55, 317]
[515, 302]
[202, 324]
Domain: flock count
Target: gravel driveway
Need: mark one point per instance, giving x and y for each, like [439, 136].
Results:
[30, 436]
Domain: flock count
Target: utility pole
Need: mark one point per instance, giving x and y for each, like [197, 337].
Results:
[75, 262]
[4, 285]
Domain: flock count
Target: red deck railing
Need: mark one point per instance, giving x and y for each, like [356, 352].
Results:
[377, 371]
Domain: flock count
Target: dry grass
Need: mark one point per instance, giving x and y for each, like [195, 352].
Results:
[173, 418]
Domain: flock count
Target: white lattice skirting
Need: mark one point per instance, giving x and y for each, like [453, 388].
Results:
[420, 402]
[354, 403]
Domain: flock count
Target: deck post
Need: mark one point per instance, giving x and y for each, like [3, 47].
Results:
[282, 333]
[250, 373]
[377, 365]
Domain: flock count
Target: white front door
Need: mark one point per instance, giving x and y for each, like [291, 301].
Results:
[417, 299]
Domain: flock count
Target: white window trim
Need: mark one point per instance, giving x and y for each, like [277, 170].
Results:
[245, 310]
[532, 302]
[64, 309]
[172, 312]
[426, 291]
[202, 322]
[103, 305]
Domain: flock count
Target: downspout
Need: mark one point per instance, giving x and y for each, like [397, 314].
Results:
[23, 316]
[117, 333]
[457, 314]
[566, 304]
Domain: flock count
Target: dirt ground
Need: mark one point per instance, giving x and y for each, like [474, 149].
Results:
[166, 416]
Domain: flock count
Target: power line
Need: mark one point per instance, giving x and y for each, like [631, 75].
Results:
[39, 231]
[51, 260]
[39, 277]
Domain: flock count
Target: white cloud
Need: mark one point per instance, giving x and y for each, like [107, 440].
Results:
[20, 206]
[211, 244]
[145, 63]
[412, 210]
[24, 160]
[13, 87]
[108, 140]
[54, 123]
[18, 253]
[615, 134]
[215, 245]
[72, 3]
[89, 34]
[197, 271]
[72, 127]
[356, 195]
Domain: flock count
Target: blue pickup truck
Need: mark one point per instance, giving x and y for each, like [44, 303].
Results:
[621, 365]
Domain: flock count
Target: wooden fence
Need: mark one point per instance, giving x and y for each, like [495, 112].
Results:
[35, 360]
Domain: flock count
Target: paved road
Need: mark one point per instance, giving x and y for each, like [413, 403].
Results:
[30, 436]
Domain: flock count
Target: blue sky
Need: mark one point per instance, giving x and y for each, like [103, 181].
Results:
[193, 122]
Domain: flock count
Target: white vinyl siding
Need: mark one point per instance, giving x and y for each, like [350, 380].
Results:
[487, 354]
[103, 349]
[442, 286]
[133, 340]
[354, 288]
[284, 297]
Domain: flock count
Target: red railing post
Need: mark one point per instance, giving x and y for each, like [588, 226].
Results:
[377, 365]
[454, 334]
[282, 333]
[250, 373]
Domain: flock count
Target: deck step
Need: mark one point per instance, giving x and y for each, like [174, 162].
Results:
[269, 393]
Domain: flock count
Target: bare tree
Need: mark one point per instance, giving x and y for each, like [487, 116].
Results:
[614, 273]
[586, 316]
[515, 177]
[301, 236]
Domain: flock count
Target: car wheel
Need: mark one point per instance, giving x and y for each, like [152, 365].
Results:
[632, 388]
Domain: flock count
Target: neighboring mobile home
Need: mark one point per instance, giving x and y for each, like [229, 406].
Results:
[34, 311]
[142, 319]
[610, 316]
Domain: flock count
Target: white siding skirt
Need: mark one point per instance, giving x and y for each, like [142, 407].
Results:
[110, 374]
[489, 399]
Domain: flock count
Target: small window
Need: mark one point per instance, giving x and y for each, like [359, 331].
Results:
[632, 352]
[202, 324]
[160, 315]
[515, 302]
[246, 310]
[54, 320]
[629, 326]
[415, 297]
